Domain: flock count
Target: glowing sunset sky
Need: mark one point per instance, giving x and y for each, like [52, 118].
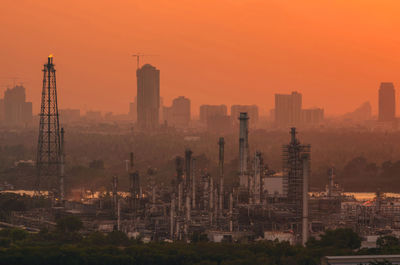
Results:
[213, 51]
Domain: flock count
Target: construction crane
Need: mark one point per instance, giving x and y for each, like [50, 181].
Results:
[138, 55]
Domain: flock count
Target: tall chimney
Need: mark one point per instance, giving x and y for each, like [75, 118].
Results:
[221, 144]
[188, 162]
[194, 183]
[62, 167]
[257, 178]
[331, 177]
[243, 143]
[115, 193]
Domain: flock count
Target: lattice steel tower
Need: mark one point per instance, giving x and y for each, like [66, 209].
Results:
[49, 154]
[293, 169]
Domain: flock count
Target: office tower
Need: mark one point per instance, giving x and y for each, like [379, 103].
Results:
[288, 109]
[312, 116]
[178, 114]
[207, 111]
[16, 110]
[148, 97]
[251, 110]
[387, 102]
[215, 118]
[49, 153]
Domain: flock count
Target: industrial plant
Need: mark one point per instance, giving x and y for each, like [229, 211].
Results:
[261, 203]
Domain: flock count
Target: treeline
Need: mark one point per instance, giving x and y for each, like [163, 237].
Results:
[360, 174]
[66, 245]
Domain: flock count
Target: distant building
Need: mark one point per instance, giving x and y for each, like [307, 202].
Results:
[208, 111]
[288, 109]
[133, 110]
[215, 118]
[219, 124]
[252, 113]
[69, 115]
[312, 116]
[387, 102]
[362, 113]
[148, 97]
[93, 115]
[178, 115]
[16, 110]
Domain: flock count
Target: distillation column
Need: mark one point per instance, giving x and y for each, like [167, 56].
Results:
[221, 144]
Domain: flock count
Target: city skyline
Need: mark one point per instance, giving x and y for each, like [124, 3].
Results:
[315, 59]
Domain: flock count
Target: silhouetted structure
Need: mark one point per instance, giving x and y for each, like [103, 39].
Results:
[148, 97]
[312, 116]
[133, 110]
[70, 115]
[362, 113]
[16, 110]
[387, 102]
[251, 110]
[49, 143]
[243, 143]
[211, 111]
[216, 118]
[178, 115]
[293, 166]
[288, 109]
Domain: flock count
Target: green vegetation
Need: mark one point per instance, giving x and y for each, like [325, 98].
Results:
[65, 245]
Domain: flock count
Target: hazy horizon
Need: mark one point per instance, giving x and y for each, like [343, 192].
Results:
[225, 52]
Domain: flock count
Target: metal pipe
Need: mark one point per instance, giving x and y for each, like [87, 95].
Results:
[243, 143]
[306, 175]
[62, 167]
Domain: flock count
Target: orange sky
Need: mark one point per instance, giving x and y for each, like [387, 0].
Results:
[213, 51]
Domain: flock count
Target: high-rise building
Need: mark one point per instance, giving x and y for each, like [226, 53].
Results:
[178, 115]
[387, 102]
[16, 110]
[210, 111]
[312, 116]
[133, 110]
[148, 97]
[288, 109]
[251, 110]
[215, 118]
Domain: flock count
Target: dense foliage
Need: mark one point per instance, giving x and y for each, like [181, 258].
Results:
[68, 246]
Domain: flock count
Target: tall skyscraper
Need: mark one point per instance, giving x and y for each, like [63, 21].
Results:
[288, 109]
[16, 110]
[148, 97]
[387, 102]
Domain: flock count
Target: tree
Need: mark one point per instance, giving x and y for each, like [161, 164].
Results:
[342, 238]
[69, 224]
[387, 242]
